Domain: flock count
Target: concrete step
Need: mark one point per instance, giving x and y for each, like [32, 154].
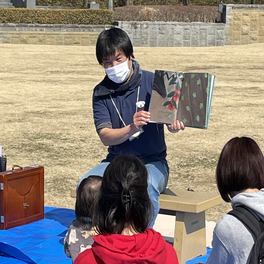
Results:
[6, 5]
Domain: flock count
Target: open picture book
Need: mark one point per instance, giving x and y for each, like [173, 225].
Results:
[182, 96]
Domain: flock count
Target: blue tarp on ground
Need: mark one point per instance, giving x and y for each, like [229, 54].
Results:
[200, 259]
[42, 241]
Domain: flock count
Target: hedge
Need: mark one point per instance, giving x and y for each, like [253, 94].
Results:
[57, 16]
[117, 3]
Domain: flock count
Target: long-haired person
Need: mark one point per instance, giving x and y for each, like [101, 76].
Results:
[121, 217]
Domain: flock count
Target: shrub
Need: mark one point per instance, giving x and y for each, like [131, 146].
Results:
[119, 3]
[56, 16]
[167, 13]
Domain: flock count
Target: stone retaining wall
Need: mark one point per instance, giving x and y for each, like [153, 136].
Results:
[80, 35]
[175, 34]
[244, 24]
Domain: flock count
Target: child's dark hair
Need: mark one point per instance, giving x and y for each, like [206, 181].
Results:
[87, 196]
[240, 167]
[111, 40]
[124, 200]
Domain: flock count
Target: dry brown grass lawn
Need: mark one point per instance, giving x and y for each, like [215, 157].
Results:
[46, 113]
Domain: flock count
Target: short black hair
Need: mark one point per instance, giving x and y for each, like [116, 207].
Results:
[87, 196]
[240, 166]
[111, 40]
[125, 177]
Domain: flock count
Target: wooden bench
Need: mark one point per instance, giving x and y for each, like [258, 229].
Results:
[189, 208]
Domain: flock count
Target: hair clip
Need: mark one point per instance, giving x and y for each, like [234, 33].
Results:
[126, 199]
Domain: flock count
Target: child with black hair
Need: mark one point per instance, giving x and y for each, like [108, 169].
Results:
[80, 234]
[121, 219]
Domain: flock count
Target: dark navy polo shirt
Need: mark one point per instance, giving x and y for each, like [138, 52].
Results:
[149, 146]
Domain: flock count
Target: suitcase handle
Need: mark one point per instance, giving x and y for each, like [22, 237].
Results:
[16, 166]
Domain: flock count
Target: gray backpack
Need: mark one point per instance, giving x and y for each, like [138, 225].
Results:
[255, 227]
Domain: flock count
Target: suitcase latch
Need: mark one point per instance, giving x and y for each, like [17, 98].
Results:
[25, 205]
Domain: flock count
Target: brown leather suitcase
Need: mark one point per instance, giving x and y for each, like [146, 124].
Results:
[21, 196]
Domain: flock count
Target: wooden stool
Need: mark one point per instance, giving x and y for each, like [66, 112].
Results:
[189, 208]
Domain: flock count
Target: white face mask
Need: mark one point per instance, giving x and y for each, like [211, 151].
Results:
[118, 73]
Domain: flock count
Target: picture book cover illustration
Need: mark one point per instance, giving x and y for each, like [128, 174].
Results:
[182, 96]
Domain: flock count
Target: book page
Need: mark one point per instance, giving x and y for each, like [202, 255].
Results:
[186, 97]
[165, 97]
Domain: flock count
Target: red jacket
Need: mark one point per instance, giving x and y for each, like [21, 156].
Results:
[149, 247]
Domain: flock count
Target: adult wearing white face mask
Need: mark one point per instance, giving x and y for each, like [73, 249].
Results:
[119, 73]
[118, 121]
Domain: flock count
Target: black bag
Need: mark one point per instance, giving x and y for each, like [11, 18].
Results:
[255, 227]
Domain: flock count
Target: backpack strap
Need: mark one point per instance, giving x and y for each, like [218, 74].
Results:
[254, 225]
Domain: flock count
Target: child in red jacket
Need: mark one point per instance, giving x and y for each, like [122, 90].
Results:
[121, 218]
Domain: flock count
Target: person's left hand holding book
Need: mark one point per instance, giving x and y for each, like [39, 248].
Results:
[176, 126]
